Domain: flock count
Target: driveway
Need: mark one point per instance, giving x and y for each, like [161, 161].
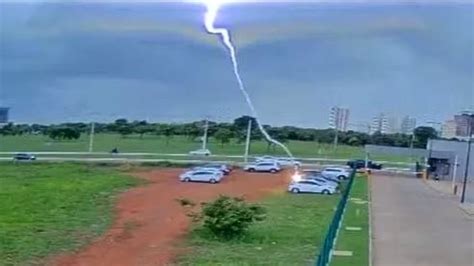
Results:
[414, 225]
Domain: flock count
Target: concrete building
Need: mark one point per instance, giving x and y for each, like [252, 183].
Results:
[393, 125]
[4, 115]
[449, 159]
[380, 124]
[448, 130]
[339, 118]
[408, 125]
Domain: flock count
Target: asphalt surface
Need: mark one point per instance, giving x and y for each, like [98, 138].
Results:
[415, 225]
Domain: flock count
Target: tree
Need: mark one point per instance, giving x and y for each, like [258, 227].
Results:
[242, 122]
[62, 133]
[223, 135]
[125, 130]
[422, 135]
[166, 130]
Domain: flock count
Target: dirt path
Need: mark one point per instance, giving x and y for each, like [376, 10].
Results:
[150, 222]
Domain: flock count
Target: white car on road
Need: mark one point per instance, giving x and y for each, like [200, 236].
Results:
[202, 175]
[200, 152]
[264, 166]
[336, 172]
[309, 186]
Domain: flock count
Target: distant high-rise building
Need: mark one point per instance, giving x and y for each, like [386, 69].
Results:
[462, 124]
[448, 129]
[339, 118]
[4, 115]
[408, 125]
[380, 124]
[393, 125]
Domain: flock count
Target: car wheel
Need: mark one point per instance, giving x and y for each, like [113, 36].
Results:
[341, 177]
[326, 192]
[251, 170]
[187, 179]
[212, 181]
[295, 190]
[273, 171]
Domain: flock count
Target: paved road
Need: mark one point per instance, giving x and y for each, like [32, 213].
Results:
[414, 225]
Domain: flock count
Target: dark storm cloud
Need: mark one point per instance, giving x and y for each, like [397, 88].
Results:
[154, 61]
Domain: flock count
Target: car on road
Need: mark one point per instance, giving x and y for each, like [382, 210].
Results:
[358, 164]
[309, 186]
[24, 157]
[335, 172]
[201, 175]
[200, 152]
[269, 166]
[224, 168]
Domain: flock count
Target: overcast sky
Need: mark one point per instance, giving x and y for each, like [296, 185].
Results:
[101, 61]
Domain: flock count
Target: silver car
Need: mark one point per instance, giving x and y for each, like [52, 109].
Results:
[199, 175]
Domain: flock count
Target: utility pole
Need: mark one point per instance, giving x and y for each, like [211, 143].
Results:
[454, 173]
[204, 141]
[247, 142]
[468, 155]
[91, 137]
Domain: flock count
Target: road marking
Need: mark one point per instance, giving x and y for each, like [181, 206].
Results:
[353, 228]
[343, 253]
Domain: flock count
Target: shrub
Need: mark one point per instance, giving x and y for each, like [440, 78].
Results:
[229, 218]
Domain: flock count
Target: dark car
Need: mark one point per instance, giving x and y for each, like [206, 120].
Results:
[358, 164]
[24, 157]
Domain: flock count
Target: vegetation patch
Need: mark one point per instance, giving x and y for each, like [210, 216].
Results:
[51, 208]
[293, 228]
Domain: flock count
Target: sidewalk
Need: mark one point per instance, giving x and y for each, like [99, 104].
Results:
[446, 189]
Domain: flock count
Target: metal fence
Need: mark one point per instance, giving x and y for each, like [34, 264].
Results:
[324, 256]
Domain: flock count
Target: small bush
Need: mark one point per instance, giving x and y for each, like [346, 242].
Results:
[229, 218]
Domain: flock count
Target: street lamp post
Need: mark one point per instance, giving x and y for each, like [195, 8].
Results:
[468, 155]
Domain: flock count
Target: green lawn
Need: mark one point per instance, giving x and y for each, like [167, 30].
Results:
[49, 208]
[356, 215]
[177, 144]
[291, 234]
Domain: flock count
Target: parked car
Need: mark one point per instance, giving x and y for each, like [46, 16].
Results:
[270, 166]
[200, 175]
[322, 180]
[280, 160]
[201, 152]
[335, 172]
[358, 164]
[24, 157]
[308, 186]
[225, 169]
[318, 174]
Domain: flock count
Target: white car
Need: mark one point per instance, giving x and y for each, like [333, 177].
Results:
[335, 172]
[281, 160]
[309, 186]
[200, 152]
[225, 169]
[270, 166]
[198, 175]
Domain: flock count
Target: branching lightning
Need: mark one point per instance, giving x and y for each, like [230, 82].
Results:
[209, 20]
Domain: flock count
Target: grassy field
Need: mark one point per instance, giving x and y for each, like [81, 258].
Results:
[177, 144]
[49, 208]
[290, 235]
[357, 215]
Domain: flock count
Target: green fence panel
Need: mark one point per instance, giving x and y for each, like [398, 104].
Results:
[328, 244]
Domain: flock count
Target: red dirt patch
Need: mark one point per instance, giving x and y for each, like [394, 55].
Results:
[150, 222]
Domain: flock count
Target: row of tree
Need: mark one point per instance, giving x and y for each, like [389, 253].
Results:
[223, 132]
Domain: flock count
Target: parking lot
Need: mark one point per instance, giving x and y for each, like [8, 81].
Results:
[416, 225]
[150, 222]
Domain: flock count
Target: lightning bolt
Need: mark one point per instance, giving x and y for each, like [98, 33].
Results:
[209, 20]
